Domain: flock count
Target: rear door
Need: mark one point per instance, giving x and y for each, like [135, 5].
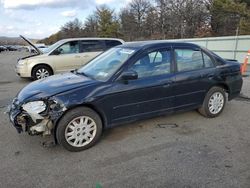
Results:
[111, 43]
[89, 49]
[189, 88]
[209, 74]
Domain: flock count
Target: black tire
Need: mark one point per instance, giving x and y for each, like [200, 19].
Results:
[40, 68]
[204, 110]
[70, 116]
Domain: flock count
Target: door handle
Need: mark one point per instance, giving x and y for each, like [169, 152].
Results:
[77, 56]
[210, 76]
[167, 84]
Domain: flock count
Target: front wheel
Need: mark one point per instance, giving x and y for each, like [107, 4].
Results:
[214, 102]
[41, 71]
[79, 129]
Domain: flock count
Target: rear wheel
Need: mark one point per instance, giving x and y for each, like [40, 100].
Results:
[214, 102]
[41, 71]
[79, 129]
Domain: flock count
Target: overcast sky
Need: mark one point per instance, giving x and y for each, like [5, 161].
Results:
[41, 18]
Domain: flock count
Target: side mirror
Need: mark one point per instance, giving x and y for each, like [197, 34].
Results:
[57, 51]
[129, 75]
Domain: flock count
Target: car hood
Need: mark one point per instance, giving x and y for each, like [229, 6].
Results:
[53, 85]
[34, 56]
[31, 44]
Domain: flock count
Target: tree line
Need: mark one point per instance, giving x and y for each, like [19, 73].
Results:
[162, 19]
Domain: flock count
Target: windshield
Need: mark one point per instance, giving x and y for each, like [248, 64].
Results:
[105, 65]
[53, 46]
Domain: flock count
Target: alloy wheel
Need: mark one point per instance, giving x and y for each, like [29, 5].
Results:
[80, 131]
[216, 103]
[42, 73]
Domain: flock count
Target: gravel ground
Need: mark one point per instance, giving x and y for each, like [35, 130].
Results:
[181, 150]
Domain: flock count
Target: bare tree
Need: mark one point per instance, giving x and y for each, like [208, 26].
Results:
[139, 8]
[72, 29]
[162, 19]
[152, 25]
[181, 18]
[91, 26]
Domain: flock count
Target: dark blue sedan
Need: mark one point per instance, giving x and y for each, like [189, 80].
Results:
[126, 83]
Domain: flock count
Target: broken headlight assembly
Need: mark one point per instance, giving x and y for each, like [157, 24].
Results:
[38, 116]
[34, 107]
[39, 123]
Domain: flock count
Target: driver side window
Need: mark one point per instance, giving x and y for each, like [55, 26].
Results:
[68, 48]
[153, 64]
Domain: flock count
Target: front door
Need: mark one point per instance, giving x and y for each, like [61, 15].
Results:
[66, 57]
[150, 94]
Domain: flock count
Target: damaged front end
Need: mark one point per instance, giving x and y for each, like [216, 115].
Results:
[35, 117]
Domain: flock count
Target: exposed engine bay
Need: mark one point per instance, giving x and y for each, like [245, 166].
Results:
[36, 117]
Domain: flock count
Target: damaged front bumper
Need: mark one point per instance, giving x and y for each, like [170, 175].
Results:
[34, 123]
[13, 113]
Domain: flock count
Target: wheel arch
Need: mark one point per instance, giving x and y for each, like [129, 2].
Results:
[42, 64]
[224, 86]
[221, 85]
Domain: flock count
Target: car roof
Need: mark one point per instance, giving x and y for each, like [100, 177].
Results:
[157, 43]
[92, 38]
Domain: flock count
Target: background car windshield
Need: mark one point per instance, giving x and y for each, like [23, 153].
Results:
[105, 65]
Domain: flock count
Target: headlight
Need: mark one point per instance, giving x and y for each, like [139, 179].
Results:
[34, 107]
[22, 62]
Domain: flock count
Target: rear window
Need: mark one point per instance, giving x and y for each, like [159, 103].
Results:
[112, 43]
[91, 46]
[188, 59]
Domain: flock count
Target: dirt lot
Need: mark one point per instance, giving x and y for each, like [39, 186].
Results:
[181, 150]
